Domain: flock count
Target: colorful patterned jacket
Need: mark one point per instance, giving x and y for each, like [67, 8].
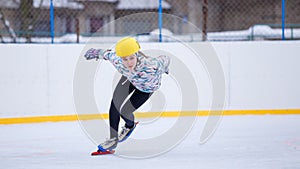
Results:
[148, 71]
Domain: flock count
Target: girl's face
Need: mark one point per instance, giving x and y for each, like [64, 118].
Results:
[130, 62]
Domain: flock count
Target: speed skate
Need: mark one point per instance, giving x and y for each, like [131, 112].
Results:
[102, 151]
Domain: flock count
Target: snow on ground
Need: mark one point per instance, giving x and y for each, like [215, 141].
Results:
[256, 32]
[240, 142]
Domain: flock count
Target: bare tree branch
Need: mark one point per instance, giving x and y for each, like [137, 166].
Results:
[7, 27]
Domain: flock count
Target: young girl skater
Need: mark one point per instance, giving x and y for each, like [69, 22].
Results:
[141, 76]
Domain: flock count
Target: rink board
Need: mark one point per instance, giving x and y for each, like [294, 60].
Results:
[74, 117]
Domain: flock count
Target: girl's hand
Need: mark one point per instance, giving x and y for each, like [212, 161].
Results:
[92, 54]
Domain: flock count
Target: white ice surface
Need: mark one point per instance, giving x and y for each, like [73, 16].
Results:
[240, 142]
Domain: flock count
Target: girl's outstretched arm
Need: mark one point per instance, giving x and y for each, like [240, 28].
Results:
[164, 63]
[106, 55]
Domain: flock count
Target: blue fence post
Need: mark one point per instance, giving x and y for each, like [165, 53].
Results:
[283, 18]
[160, 22]
[52, 21]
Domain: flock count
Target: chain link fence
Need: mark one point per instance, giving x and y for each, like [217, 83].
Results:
[75, 21]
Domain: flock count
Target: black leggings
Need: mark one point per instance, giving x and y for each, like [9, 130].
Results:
[119, 108]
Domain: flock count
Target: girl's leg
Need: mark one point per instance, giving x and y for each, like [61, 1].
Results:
[122, 90]
[114, 119]
[137, 99]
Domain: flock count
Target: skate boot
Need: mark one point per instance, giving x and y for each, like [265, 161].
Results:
[108, 145]
[126, 132]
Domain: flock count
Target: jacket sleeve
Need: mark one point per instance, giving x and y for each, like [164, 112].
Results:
[114, 60]
[164, 62]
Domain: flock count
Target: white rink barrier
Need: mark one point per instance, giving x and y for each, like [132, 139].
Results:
[37, 79]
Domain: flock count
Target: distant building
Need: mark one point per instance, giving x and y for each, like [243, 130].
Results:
[226, 15]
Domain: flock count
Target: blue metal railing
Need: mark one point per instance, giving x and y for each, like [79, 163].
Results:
[52, 21]
[160, 20]
[283, 18]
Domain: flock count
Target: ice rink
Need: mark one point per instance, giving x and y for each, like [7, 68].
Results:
[240, 142]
